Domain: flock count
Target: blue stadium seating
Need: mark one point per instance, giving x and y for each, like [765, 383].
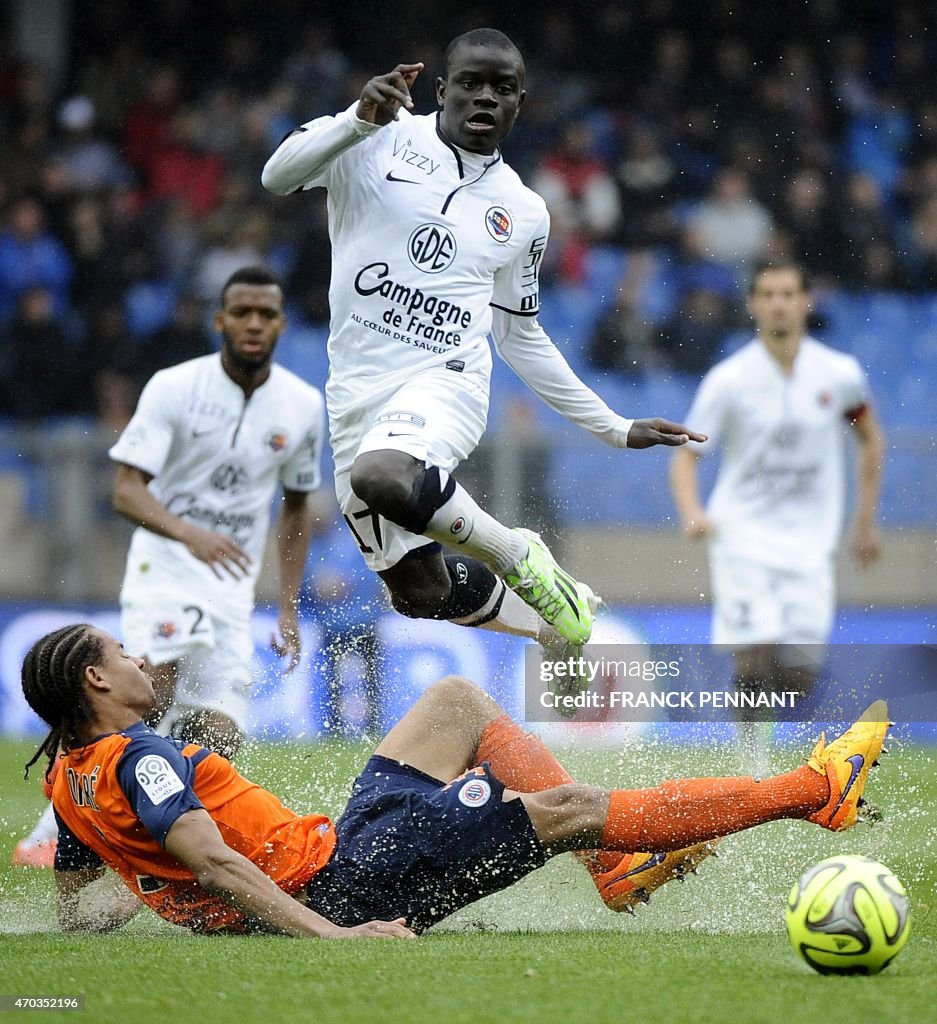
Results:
[894, 337]
[303, 350]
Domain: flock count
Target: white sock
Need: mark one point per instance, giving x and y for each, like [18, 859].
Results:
[463, 525]
[514, 616]
[45, 828]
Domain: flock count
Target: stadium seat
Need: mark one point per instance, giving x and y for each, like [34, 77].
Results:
[303, 350]
[604, 267]
[149, 306]
[922, 347]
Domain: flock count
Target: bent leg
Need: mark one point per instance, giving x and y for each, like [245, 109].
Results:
[440, 734]
[425, 499]
[211, 729]
[428, 584]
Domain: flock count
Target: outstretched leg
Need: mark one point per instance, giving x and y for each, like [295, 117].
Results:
[826, 791]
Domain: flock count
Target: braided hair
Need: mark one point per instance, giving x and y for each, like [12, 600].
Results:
[53, 676]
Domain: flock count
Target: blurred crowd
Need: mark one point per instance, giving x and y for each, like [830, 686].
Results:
[696, 138]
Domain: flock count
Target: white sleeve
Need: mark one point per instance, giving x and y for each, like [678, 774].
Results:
[305, 158]
[525, 346]
[301, 471]
[854, 389]
[517, 284]
[147, 439]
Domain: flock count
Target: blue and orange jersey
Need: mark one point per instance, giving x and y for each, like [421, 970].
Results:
[117, 798]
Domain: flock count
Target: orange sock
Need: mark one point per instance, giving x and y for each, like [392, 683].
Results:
[524, 762]
[521, 760]
[677, 814]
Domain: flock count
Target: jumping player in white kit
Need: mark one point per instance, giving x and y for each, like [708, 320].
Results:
[779, 409]
[436, 243]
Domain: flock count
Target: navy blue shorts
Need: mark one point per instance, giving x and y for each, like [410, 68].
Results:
[414, 847]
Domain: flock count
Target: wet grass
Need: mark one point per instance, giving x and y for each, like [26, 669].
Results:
[713, 949]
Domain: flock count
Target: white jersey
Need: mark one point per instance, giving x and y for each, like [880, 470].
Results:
[433, 248]
[216, 459]
[780, 491]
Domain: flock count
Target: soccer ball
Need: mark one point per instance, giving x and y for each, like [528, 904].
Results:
[848, 915]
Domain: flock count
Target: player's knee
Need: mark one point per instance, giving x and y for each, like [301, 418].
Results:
[456, 693]
[427, 602]
[385, 481]
[460, 701]
[401, 489]
[378, 485]
[212, 730]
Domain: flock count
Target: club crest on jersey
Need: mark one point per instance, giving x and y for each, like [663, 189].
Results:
[824, 399]
[458, 525]
[431, 248]
[498, 222]
[475, 793]
[164, 631]
[276, 440]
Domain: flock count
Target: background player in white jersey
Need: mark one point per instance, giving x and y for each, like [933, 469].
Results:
[435, 244]
[778, 409]
[198, 468]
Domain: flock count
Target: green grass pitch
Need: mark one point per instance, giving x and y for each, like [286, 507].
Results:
[710, 950]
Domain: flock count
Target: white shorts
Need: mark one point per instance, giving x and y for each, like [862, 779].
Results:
[437, 418]
[760, 604]
[212, 653]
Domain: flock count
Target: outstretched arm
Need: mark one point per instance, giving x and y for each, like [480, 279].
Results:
[303, 156]
[195, 840]
[524, 345]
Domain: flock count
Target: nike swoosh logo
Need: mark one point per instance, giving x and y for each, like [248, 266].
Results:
[656, 859]
[857, 761]
[203, 433]
[390, 176]
[401, 433]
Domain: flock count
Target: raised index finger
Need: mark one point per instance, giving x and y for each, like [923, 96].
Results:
[409, 71]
